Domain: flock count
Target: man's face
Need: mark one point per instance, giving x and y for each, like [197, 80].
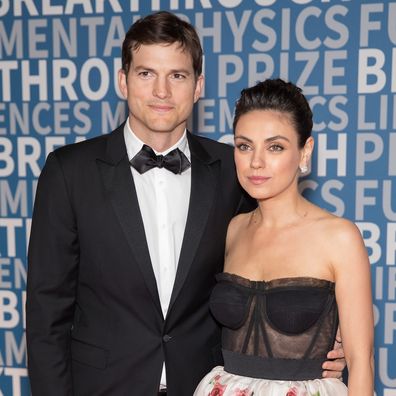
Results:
[161, 90]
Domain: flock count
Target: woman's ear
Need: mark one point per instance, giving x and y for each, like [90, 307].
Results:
[306, 154]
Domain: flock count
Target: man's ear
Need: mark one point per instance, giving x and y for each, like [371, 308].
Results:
[199, 85]
[122, 83]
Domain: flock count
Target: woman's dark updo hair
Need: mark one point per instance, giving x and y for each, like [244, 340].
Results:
[281, 96]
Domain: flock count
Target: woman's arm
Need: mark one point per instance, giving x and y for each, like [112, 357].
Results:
[354, 298]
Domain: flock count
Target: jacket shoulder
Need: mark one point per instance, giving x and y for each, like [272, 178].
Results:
[89, 149]
[90, 145]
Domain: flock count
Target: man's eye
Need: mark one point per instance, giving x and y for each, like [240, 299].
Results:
[178, 76]
[144, 74]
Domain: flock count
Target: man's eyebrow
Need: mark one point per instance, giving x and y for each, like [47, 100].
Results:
[173, 71]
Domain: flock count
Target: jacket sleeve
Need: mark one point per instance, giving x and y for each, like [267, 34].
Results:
[53, 258]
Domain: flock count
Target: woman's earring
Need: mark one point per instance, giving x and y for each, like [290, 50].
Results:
[303, 169]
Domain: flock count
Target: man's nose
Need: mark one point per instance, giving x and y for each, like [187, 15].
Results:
[161, 88]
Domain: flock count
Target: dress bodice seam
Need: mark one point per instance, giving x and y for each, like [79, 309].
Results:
[262, 286]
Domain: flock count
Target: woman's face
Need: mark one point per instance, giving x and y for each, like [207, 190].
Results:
[267, 155]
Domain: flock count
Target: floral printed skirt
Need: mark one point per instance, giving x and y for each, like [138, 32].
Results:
[220, 383]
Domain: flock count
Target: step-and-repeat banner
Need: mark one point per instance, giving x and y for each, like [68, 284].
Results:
[58, 66]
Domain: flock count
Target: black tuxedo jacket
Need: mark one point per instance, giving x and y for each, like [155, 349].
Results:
[94, 320]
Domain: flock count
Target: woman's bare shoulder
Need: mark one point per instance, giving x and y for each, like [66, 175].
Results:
[236, 224]
[238, 221]
[339, 237]
[338, 228]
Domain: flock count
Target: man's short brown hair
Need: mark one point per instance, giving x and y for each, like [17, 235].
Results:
[162, 28]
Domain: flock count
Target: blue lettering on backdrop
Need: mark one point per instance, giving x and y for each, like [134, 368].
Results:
[58, 85]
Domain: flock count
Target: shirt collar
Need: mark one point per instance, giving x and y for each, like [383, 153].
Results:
[134, 144]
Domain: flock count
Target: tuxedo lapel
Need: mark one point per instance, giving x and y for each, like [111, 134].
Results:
[118, 181]
[204, 176]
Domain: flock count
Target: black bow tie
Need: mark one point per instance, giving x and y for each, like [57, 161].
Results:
[146, 159]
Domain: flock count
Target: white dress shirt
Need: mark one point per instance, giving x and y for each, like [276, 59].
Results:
[163, 200]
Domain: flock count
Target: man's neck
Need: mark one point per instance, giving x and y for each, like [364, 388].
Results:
[158, 140]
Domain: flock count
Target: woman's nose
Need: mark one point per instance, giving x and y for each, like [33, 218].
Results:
[258, 160]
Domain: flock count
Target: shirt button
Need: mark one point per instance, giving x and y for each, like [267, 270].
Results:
[166, 338]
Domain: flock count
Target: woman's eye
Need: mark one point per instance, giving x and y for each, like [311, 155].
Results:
[276, 147]
[243, 147]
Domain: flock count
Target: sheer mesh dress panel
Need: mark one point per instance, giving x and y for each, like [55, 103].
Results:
[280, 329]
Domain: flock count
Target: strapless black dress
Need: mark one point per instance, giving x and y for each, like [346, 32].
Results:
[275, 337]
